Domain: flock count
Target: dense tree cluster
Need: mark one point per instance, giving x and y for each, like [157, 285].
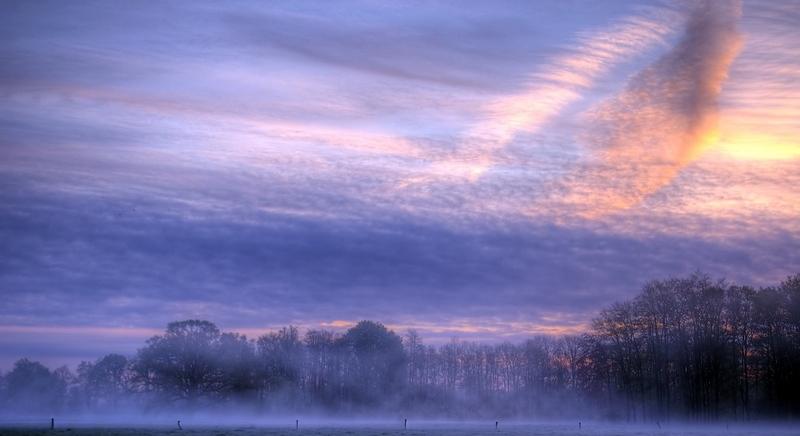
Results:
[688, 348]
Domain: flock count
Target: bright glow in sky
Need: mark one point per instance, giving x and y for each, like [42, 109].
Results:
[480, 170]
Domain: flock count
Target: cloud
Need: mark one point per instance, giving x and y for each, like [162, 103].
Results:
[562, 81]
[427, 44]
[119, 260]
[665, 118]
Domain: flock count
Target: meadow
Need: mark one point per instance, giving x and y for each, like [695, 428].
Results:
[427, 429]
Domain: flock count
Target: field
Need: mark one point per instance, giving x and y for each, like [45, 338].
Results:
[460, 429]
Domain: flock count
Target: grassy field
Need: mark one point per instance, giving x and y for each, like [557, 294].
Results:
[429, 430]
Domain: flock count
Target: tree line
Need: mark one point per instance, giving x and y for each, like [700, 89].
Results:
[684, 349]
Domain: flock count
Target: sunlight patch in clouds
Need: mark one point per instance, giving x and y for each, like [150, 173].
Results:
[760, 146]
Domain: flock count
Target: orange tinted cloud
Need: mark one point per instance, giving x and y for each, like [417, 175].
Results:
[555, 324]
[665, 118]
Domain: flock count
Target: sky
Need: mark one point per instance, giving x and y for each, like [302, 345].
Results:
[471, 169]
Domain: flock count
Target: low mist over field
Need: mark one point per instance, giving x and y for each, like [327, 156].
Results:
[360, 428]
[534, 216]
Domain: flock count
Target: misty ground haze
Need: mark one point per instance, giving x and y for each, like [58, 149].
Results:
[421, 429]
